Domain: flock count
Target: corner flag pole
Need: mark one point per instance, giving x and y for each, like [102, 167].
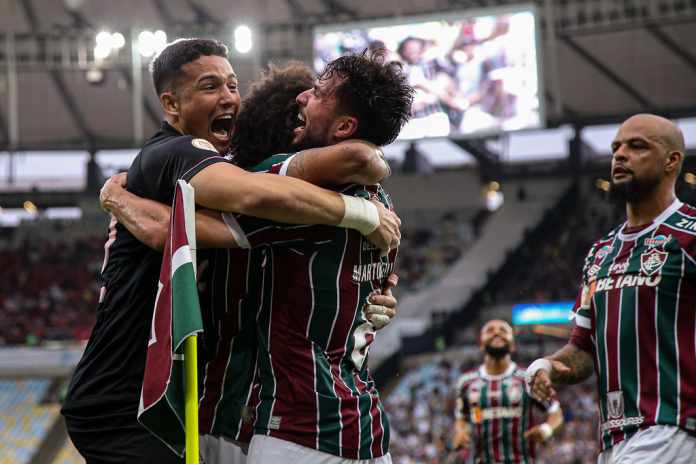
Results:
[191, 402]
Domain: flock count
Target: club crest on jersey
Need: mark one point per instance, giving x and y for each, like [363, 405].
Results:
[615, 405]
[203, 144]
[474, 396]
[658, 241]
[652, 261]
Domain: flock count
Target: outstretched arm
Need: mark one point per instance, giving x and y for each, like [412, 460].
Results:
[225, 187]
[148, 220]
[350, 162]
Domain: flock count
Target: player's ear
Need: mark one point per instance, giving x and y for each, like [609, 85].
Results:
[170, 103]
[674, 161]
[346, 127]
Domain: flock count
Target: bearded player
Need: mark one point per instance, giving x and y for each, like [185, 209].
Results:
[494, 408]
[635, 316]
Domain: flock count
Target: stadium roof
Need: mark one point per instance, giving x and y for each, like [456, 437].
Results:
[602, 59]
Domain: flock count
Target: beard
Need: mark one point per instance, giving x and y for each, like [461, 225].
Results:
[633, 190]
[497, 352]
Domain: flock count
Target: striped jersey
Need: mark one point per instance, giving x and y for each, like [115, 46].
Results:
[499, 411]
[313, 384]
[636, 314]
[229, 288]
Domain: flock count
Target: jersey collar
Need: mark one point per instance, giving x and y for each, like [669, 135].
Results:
[511, 368]
[671, 209]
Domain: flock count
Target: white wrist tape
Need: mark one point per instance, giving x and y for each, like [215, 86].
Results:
[377, 315]
[360, 215]
[539, 364]
[546, 430]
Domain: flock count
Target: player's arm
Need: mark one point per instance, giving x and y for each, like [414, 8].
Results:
[350, 162]
[148, 220]
[546, 430]
[462, 434]
[569, 365]
[225, 187]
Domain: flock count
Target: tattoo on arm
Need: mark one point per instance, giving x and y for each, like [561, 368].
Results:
[579, 361]
[299, 161]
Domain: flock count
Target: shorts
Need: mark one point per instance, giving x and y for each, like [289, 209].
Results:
[658, 444]
[117, 439]
[271, 450]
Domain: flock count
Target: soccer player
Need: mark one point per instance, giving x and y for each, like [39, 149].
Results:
[635, 315]
[492, 404]
[371, 98]
[198, 92]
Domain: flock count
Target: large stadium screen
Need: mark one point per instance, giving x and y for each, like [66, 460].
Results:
[542, 313]
[474, 73]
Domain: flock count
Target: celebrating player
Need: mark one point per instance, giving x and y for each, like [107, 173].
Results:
[198, 92]
[635, 316]
[493, 402]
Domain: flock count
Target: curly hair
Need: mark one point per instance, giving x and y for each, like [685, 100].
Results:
[268, 114]
[373, 90]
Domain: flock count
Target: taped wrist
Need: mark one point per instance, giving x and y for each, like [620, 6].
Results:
[360, 214]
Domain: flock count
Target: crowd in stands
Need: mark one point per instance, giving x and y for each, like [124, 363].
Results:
[421, 412]
[49, 289]
[430, 243]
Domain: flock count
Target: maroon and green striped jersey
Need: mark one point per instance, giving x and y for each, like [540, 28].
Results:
[636, 315]
[229, 287]
[499, 411]
[313, 384]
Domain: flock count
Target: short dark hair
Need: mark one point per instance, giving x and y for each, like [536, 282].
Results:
[268, 113]
[373, 90]
[166, 66]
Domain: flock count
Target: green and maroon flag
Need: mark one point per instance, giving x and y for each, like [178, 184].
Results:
[176, 316]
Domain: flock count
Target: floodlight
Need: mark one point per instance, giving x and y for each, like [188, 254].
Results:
[242, 39]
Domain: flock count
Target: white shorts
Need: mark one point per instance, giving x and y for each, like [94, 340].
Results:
[659, 444]
[271, 450]
[216, 450]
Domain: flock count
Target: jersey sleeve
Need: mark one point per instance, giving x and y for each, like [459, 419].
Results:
[276, 164]
[583, 312]
[181, 158]
[461, 410]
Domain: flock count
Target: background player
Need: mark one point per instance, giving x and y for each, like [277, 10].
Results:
[198, 92]
[635, 317]
[493, 406]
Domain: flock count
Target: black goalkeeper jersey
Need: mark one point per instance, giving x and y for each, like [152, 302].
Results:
[108, 378]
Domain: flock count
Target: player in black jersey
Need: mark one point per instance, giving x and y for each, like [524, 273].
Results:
[198, 92]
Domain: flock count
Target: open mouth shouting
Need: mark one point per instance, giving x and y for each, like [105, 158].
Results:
[222, 127]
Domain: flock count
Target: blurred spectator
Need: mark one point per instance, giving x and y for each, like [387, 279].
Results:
[48, 290]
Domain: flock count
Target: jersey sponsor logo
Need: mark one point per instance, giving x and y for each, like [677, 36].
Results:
[594, 269]
[618, 423]
[615, 404]
[611, 283]
[686, 224]
[652, 261]
[602, 253]
[203, 144]
[478, 415]
[618, 268]
[372, 271]
[274, 423]
[659, 241]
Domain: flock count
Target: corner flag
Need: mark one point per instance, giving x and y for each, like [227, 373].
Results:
[169, 393]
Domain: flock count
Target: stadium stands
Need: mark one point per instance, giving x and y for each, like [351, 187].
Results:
[24, 421]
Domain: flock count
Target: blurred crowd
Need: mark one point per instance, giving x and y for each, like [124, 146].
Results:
[429, 246]
[48, 290]
[421, 412]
